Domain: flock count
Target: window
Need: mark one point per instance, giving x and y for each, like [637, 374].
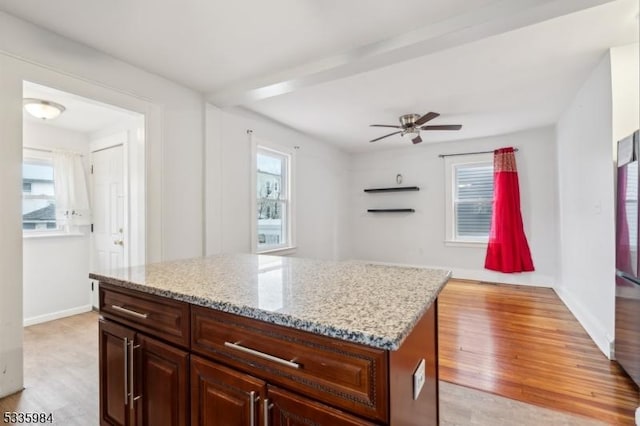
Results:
[273, 228]
[38, 196]
[469, 198]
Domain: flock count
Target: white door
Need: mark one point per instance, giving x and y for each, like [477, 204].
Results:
[108, 212]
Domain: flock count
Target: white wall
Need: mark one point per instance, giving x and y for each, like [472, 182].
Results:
[625, 81]
[39, 135]
[319, 186]
[174, 150]
[10, 232]
[418, 238]
[56, 277]
[55, 269]
[175, 134]
[586, 201]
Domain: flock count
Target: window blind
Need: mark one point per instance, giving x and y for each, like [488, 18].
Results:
[473, 200]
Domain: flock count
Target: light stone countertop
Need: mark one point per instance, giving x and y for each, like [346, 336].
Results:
[371, 304]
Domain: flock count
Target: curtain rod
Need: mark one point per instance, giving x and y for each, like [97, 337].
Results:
[44, 150]
[38, 149]
[471, 153]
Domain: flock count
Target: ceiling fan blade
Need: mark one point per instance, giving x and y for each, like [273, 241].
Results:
[385, 125]
[385, 136]
[427, 117]
[416, 140]
[443, 127]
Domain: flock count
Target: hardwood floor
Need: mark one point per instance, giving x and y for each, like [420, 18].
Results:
[523, 343]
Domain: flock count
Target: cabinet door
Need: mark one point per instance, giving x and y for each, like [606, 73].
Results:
[161, 387]
[221, 396]
[114, 344]
[288, 409]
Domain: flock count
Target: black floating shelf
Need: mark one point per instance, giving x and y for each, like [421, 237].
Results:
[391, 210]
[396, 189]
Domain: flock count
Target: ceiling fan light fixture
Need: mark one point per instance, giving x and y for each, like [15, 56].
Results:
[413, 124]
[42, 109]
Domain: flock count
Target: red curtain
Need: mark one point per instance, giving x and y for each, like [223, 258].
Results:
[508, 250]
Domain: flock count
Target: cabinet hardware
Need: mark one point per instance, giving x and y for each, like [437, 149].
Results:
[266, 406]
[132, 375]
[262, 355]
[252, 408]
[129, 311]
[126, 366]
[118, 242]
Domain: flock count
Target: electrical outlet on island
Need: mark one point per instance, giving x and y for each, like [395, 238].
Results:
[418, 379]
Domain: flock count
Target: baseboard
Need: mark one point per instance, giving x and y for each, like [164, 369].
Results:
[56, 315]
[591, 325]
[532, 279]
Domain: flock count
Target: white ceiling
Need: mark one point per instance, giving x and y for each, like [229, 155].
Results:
[210, 44]
[330, 68]
[81, 114]
[516, 80]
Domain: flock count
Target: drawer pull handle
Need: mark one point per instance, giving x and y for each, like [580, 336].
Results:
[265, 411]
[252, 407]
[262, 355]
[129, 312]
[131, 375]
[125, 351]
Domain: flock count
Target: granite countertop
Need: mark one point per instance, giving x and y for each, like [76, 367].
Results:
[371, 304]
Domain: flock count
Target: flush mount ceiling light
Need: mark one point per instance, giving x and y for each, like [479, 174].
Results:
[39, 108]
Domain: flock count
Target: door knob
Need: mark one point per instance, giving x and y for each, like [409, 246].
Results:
[118, 242]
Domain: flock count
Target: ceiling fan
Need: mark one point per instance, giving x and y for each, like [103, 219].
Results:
[413, 123]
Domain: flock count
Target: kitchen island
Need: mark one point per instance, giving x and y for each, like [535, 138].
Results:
[268, 340]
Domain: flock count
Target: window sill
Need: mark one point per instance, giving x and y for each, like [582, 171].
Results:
[279, 251]
[53, 234]
[476, 244]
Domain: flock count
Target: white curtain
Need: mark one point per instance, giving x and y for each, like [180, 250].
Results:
[72, 200]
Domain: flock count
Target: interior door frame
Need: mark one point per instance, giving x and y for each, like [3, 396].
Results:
[14, 70]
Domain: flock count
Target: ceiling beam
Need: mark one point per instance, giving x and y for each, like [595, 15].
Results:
[495, 18]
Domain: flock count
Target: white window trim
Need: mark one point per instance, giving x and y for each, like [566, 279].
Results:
[54, 233]
[290, 247]
[450, 232]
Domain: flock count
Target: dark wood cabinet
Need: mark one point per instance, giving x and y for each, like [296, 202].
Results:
[346, 375]
[168, 363]
[222, 396]
[143, 382]
[288, 409]
[114, 343]
[163, 378]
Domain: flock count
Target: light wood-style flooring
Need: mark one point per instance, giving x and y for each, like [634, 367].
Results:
[523, 343]
[60, 371]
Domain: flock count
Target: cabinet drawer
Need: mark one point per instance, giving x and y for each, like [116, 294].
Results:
[342, 374]
[164, 318]
[287, 408]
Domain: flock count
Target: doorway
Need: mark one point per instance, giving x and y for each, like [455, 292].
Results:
[62, 242]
